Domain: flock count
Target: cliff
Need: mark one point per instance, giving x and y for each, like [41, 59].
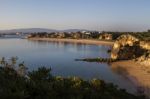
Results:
[128, 47]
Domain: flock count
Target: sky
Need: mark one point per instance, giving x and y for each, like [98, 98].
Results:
[108, 15]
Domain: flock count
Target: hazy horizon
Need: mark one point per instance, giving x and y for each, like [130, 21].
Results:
[107, 15]
[71, 29]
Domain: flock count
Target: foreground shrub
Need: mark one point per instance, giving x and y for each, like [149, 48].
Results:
[41, 84]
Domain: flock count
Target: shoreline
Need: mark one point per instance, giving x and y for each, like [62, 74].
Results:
[137, 73]
[82, 41]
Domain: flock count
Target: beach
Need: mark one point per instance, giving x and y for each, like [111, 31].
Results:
[138, 74]
[83, 41]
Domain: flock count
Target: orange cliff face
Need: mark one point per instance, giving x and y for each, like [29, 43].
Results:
[127, 47]
[145, 59]
[123, 46]
[145, 45]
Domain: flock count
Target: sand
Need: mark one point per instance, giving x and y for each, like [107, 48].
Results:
[83, 41]
[139, 73]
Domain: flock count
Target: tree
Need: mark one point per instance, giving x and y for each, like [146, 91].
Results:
[43, 85]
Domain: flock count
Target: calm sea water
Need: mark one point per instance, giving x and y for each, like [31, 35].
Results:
[61, 58]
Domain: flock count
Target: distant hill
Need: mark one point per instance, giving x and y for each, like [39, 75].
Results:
[74, 30]
[32, 30]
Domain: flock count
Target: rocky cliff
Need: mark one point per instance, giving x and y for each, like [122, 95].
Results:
[145, 45]
[144, 59]
[128, 47]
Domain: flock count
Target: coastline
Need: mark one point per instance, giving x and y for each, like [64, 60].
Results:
[138, 74]
[83, 41]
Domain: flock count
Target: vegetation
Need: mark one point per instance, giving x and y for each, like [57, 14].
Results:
[145, 36]
[73, 35]
[17, 83]
[109, 51]
[99, 59]
[131, 52]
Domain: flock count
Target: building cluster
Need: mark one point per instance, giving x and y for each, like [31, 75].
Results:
[74, 35]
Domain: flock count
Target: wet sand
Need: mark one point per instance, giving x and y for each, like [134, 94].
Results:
[140, 75]
[83, 41]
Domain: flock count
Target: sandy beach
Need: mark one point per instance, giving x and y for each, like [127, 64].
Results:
[83, 41]
[140, 74]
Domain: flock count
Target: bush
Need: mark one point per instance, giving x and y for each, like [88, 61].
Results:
[40, 84]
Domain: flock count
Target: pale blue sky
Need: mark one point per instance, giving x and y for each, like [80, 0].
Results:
[116, 15]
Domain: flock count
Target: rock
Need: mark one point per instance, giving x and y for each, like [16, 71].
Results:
[144, 59]
[128, 47]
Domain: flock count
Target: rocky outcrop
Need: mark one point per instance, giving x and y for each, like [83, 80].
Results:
[144, 59]
[145, 45]
[128, 47]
